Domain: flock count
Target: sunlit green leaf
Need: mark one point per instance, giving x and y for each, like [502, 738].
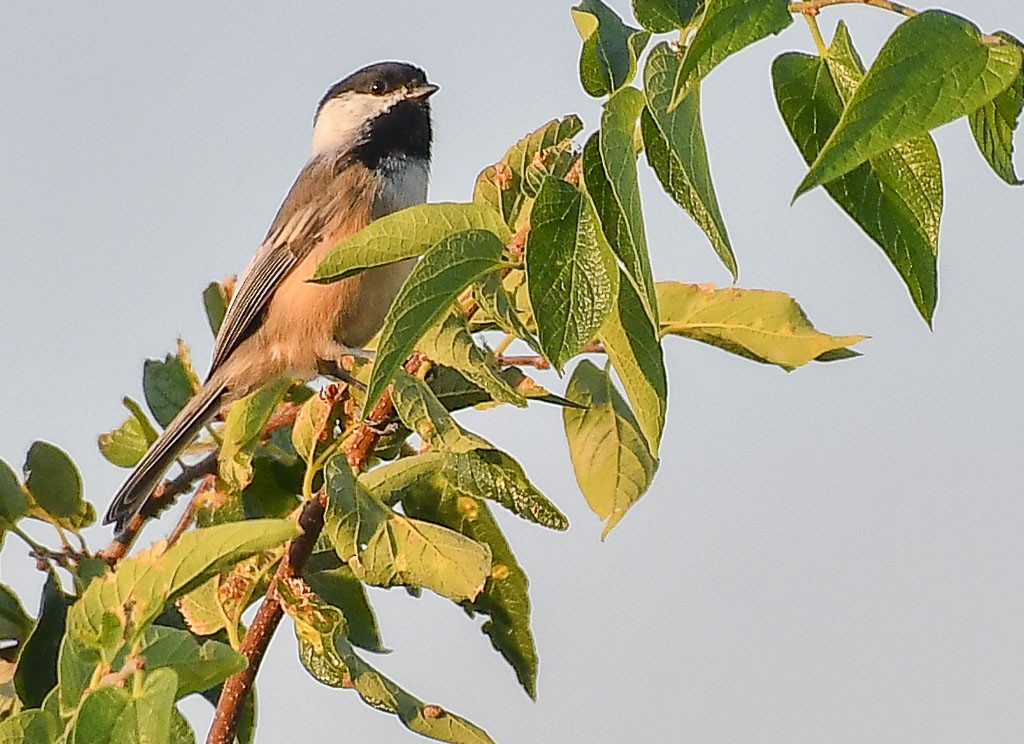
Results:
[14, 502]
[126, 445]
[451, 344]
[494, 475]
[728, 27]
[450, 266]
[994, 124]
[674, 144]
[763, 325]
[167, 386]
[198, 665]
[500, 306]
[662, 16]
[933, 69]
[135, 593]
[610, 180]
[329, 657]
[384, 548]
[508, 184]
[634, 349]
[570, 269]
[407, 234]
[421, 411]
[610, 48]
[311, 426]
[113, 714]
[215, 302]
[613, 465]
[243, 429]
[29, 727]
[340, 588]
[55, 485]
[505, 598]
[896, 197]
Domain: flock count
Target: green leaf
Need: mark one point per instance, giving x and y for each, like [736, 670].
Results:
[614, 189]
[14, 503]
[430, 721]
[508, 185]
[634, 348]
[500, 306]
[384, 548]
[167, 386]
[181, 730]
[215, 302]
[198, 666]
[37, 659]
[340, 588]
[29, 727]
[762, 325]
[896, 197]
[570, 269]
[933, 69]
[610, 48]
[242, 431]
[506, 598]
[330, 658]
[126, 445]
[112, 714]
[134, 594]
[451, 344]
[492, 474]
[994, 123]
[674, 143]
[311, 426]
[663, 16]
[613, 465]
[421, 411]
[454, 263]
[52, 480]
[728, 27]
[15, 623]
[390, 482]
[407, 234]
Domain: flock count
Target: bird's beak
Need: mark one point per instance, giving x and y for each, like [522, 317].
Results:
[422, 92]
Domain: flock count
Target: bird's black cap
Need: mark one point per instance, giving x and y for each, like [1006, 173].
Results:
[378, 78]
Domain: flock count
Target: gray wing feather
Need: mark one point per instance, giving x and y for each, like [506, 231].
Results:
[292, 235]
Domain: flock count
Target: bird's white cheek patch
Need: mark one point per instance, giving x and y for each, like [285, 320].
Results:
[340, 120]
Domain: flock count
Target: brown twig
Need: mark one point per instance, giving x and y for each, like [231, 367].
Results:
[190, 511]
[811, 7]
[257, 637]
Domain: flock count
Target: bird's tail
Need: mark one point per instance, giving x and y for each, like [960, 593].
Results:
[136, 491]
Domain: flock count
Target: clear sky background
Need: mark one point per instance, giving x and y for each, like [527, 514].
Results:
[832, 555]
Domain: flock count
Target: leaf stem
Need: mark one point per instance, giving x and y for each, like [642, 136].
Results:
[36, 547]
[819, 41]
[811, 7]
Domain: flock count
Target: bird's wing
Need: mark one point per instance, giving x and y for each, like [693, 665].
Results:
[296, 229]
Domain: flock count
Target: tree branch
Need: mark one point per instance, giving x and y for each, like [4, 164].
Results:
[311, 520]
[811, 7]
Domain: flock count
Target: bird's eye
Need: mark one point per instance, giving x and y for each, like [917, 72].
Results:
[377, 88]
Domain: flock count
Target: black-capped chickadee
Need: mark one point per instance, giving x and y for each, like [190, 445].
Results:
[371, 157]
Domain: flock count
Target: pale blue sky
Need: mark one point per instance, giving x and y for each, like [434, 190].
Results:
[831, 555]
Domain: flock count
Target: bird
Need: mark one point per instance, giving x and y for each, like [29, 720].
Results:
[371, 149]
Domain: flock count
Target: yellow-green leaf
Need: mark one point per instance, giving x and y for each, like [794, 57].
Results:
[763, 325]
